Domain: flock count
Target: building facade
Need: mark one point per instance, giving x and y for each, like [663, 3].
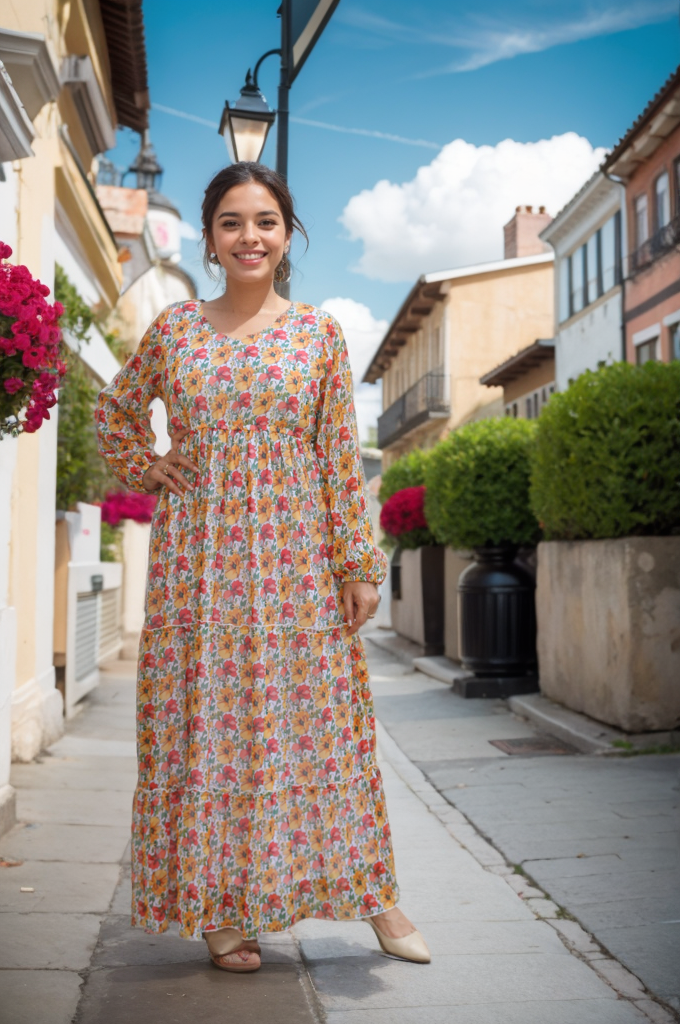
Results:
[452, 327]
[588, 238]
[71, 72]
[527, 379]
[647, 162]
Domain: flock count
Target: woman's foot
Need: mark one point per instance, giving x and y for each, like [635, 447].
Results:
[398, 937]
[393, 923]
[231, 952]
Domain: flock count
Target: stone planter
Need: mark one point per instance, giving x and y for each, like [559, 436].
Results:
[418, 614]
[609, 629]
[455, 562]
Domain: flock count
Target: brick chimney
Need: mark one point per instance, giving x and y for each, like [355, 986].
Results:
[521, 233]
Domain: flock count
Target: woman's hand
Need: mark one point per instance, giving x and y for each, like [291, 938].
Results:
[360, 601]
[166, 471]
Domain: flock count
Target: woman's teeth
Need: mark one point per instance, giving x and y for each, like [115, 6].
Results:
[249, 255]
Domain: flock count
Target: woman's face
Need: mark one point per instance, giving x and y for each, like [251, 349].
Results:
[248, 233]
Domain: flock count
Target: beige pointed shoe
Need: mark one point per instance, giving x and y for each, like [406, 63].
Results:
[409, 947]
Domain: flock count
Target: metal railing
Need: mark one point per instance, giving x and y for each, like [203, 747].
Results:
[427, 398]
[661, 242]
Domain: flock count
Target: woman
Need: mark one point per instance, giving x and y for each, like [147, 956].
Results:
[259, 800]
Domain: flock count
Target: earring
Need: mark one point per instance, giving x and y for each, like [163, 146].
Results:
[283, 272]
[212, 258]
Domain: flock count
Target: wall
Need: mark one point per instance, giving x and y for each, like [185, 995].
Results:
[491, 317]
[531, 380]
[659, 284]
[589, 339]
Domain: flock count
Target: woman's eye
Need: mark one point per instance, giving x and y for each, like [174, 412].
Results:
[268, 223]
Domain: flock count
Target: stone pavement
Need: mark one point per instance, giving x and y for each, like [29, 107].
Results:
[67, 952]
[600, 835]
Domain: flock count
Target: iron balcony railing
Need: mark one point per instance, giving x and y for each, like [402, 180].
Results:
[427, 398]
[661, 242]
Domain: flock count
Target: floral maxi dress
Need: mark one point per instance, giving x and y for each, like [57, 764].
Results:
[259, 801]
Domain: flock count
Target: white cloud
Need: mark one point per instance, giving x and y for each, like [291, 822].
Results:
[483, 39]
[452, 213]
[187, 230]
[363, 333]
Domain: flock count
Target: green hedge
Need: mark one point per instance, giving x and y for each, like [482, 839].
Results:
[606, 462]
[408, 471]
[477, 483]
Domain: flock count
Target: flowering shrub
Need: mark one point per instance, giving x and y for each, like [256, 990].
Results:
[119, 505]
[31, 367]
[403, 517]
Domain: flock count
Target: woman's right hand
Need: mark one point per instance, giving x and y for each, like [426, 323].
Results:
[166, 471]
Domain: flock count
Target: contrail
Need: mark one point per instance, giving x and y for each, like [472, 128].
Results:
[370, 133]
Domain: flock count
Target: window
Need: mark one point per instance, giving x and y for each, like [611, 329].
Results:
[529, 408]
[577, 280]
[662, 204]
[646, 352]
[641, 221]
[675, 341]
[593, 267]
[563, 311]
[609, 251]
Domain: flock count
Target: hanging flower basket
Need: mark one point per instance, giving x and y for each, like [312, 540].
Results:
[31, 367]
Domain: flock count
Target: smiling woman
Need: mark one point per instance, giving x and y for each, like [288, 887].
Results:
[256, 730]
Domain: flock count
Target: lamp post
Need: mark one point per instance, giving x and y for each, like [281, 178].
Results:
[245, 125]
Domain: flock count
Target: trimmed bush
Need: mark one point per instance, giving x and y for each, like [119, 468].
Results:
[477, 482]
[408, 471]
[606, 462]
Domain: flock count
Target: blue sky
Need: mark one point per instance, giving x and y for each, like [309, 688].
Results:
[436, 72]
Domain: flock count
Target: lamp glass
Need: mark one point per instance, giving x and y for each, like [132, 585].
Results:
[247, 136]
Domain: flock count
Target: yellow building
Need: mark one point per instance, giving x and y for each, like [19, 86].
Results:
[71, 72]
[452, 328]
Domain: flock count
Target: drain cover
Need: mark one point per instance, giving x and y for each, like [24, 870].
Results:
[528, 745]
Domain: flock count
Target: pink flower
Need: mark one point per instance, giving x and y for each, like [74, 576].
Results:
[13, 384]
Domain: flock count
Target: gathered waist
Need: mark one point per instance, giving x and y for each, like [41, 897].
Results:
[266, 429]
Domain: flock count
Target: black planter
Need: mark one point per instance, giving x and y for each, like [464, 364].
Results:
[497, 625]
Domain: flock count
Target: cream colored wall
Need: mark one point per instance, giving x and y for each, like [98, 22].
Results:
[491, 317]
[535, 378]
[28, 520]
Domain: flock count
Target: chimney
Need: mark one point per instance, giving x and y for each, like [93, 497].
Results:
[521, 233]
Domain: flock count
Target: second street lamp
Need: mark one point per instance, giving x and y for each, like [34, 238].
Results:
[245, 126]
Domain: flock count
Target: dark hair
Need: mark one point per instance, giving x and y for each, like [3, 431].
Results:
[240, 174]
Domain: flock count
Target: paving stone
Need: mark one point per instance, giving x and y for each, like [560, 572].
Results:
[619, 978]
[576, 936]
[100, 773]
[97, 844]
[572, 1011]
[59, 887]
[48, 941]
[382, 982]
[656, 1013]
[195, 992]
[75, 807]
[38, 997]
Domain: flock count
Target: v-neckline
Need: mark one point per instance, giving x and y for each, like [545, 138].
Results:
[255, 334]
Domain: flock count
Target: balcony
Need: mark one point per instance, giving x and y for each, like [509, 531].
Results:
[427, 399]
[661, 242]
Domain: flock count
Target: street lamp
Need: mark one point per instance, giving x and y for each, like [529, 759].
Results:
[245, 126]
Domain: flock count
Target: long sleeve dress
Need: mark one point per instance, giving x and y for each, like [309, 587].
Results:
[259, 800]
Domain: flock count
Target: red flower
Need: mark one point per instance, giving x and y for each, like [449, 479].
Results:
[404, 512]
[119, 505]
[30, 365]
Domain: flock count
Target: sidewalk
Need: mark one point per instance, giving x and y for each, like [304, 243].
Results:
[69, 955]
